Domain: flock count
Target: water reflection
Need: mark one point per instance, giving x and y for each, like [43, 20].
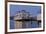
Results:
[27, 24]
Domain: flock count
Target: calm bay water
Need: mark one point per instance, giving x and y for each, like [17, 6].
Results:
[34, 24]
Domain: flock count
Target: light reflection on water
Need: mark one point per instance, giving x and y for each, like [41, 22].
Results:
[34, 24]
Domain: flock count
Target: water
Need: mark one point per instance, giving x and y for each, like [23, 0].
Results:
[27, 24]
[11, 24]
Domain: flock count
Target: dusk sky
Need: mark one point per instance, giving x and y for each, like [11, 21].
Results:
[32, 9]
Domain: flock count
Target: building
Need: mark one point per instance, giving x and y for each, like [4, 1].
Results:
[24, 19]
[39, 17]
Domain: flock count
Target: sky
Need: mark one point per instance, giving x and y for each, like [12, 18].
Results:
[32, 9]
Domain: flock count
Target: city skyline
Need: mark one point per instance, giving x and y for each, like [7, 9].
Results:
[31, 9]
